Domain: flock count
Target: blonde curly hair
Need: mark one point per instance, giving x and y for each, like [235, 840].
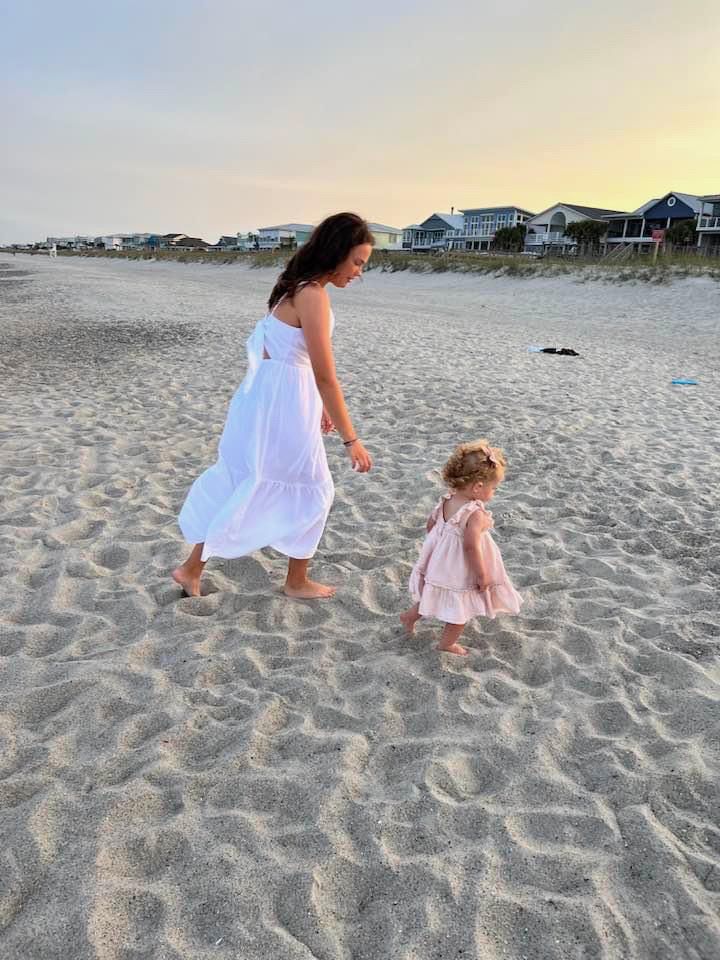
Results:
[474, 462]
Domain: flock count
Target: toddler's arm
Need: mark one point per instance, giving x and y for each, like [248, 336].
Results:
[478, 524]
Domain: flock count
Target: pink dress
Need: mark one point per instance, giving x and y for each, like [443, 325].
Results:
[442, 580]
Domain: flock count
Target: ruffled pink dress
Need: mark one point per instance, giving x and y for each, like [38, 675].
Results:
[442, 581]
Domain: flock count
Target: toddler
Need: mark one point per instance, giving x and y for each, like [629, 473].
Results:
[460, 573]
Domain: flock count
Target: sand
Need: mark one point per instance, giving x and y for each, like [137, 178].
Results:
[243, 776]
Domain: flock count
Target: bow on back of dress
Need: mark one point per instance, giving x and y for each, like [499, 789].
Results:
[254, 346]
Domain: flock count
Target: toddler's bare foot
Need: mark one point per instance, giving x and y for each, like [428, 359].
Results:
[408, 620]
[309, 590]
[188, 580]
[456, 648]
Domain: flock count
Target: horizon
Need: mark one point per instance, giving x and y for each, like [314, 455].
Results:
[229, 118]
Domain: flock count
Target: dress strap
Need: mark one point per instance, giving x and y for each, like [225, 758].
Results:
[460, 519]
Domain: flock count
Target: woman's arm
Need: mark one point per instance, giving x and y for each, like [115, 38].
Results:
[313, 309]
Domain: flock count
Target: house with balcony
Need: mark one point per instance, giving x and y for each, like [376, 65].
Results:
[408, 234]
[480, 225]
[708, 224]
[110, 242]
[284, 236]
[135, 241]
[157, 241]
[434, 234]
[247, 241]
[635, 230]
[190, 244]
[171, 241]
[546, 230]
[226, 242]
[71, 243]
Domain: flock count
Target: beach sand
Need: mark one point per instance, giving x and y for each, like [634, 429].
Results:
[243, 776]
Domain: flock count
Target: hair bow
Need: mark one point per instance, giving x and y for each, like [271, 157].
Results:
[490, 456]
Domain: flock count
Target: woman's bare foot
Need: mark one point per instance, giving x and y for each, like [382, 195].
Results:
[309, 590]
[456, 648]
[409, 619]
[189, 580]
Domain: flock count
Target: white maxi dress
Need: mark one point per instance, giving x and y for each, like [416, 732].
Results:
[270, 486]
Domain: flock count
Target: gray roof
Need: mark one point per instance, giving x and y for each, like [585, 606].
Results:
[508, 206]
[690, 199]
[635, 213]
[384, 228]
[454, 220]
[592, 213]
[595, 213]
[290, 226]
[646, 206]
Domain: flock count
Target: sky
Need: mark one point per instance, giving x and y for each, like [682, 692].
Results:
[210, 117]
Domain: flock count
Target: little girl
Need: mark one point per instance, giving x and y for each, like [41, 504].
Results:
[460, 573]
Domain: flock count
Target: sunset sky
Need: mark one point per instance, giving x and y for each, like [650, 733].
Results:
[212, 116]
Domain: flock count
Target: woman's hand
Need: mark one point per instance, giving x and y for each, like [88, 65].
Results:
[326, 424]
[360, 458]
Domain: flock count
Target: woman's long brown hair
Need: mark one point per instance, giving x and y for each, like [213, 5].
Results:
[327, 247]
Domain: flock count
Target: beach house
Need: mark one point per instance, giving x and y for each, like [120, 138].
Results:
[174, 241]
[386, 238]
[226, 242]
[634, 231]
[284, 235]
[480, 224]
[433, 234]
[246, 241]
[708, 224]
[408, 234]
[546, 230]
[71, 243]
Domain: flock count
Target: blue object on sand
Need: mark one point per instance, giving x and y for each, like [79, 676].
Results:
[535, 349]
[684, 381]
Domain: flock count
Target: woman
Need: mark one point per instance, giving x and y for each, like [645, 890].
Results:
[271, 485]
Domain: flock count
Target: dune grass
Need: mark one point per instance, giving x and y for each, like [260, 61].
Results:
[666, 268]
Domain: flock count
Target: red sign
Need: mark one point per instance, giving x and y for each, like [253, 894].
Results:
[658, 236]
